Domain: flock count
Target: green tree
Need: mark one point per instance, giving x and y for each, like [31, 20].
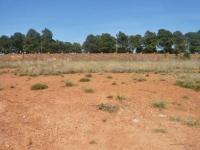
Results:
[107, 43]
[122, 43]
[68, 47]
[180, 42]
[149, 42]
[135, 43]
[91, 44]
[165, 40]
[193, 39]
[32, 41]
[76, 48]
[46, 40]
[5, 44]
[17, 41]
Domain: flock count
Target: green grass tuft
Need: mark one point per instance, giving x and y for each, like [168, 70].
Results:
[39, 86]
[159, 104]
[189, 84]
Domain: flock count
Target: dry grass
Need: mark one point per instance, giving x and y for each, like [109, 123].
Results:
[55, 67]
[108, 107]
[159, 104]
[69, 83]
[39, 86]
[189, 121]
[191, 81]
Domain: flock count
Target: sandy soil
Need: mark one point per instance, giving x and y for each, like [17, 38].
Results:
[66, 118]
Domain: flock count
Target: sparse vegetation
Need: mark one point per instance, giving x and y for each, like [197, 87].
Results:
[121, 97]
[189, 84]
[159, 104]
[189, 121]
[69, 83]
[159, 130]
[108, 107]
[114, 83]
[88, 90]
[39, 86]
[110, 97]
[191, 81]
[88, 76]
[139, 78]
[84, 80]
[55, 67]
[109, 77]
[185, 97]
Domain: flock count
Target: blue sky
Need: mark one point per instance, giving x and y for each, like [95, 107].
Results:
[73, 20]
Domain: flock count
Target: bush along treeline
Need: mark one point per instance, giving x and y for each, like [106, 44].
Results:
[164, 41]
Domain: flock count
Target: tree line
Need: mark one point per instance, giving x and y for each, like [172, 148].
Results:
[164, 41]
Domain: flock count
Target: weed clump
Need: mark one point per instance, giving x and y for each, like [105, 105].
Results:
[121, 97]
[159, 104]
[108, 107]
[88, 90]
[84, 80]
[189, 121]
[69, 83]
[39, 86]
[88, 76]
[159, 130]
[189, 84]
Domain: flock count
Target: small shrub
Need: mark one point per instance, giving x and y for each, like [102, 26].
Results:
[159, 130]
[186, 55]
[114, 83]
[120, 97]
[88, 76]
[84, 80]
[88, 90]
[109, 77]
[189, 84]
[185, 97]
[108, 107]
[110, 97]
[12, 87]
[140, 79]
[39, 86]
[159, 104]
[93, 142]
[69, 83]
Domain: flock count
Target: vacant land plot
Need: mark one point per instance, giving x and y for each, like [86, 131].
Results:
[123, 105]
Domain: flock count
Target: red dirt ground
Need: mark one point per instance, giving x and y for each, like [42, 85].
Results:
[66, 118]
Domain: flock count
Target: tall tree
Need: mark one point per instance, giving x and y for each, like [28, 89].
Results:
[165, 40]
[107, 43]
[91, 44]
[76, 48]
[46, 40]
[193, 39]
[5, 44]
[180, 42]
[149, 42]
[17, 41]
[32, 41]
[68, 47]
[122, 42]
[135, 43]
